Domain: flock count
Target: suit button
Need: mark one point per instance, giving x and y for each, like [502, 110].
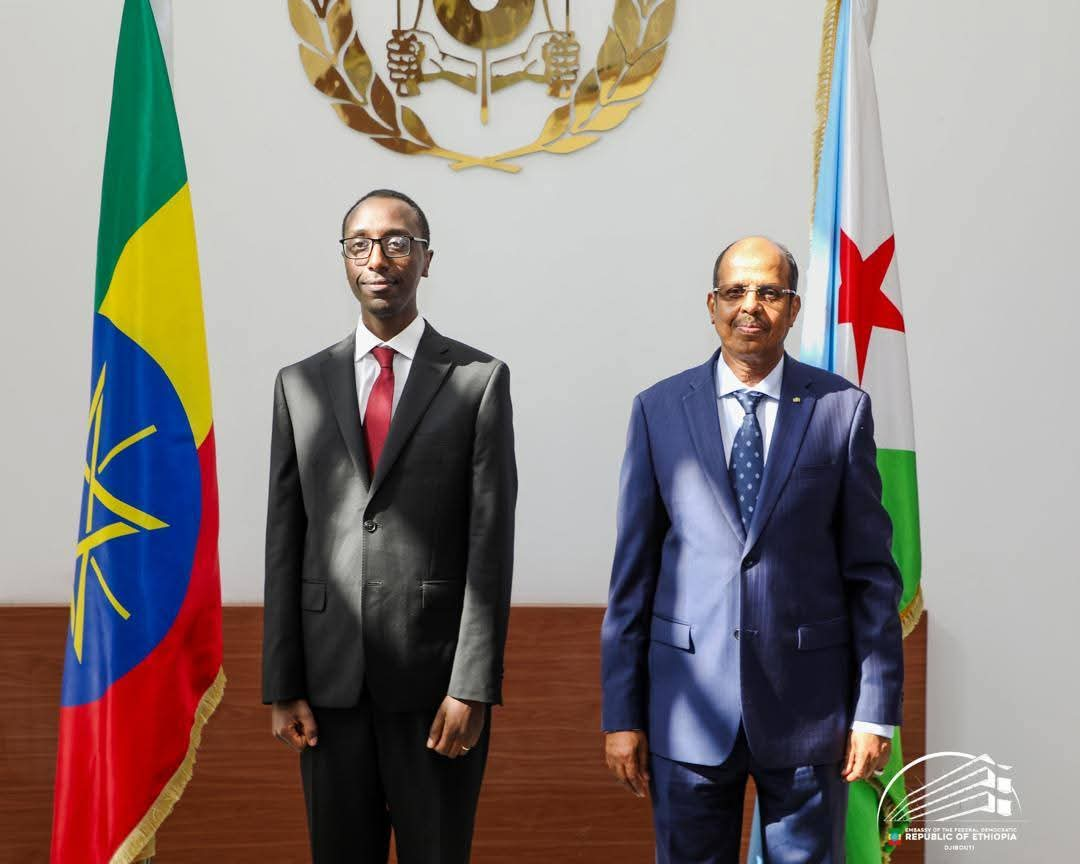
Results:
[736, 633]
[371, 526]
[749, 562]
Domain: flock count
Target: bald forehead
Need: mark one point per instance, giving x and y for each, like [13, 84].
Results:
[753, 252]
[751, 257]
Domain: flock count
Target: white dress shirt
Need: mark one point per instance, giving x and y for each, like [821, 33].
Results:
[367, 367]
[731, 412]
[731, 418]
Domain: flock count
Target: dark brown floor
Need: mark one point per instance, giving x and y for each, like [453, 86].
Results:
[547, 797]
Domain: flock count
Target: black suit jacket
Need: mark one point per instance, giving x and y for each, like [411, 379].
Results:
[399, 580]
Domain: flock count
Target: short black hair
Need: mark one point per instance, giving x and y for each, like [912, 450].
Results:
[425, 231]
[792, 267]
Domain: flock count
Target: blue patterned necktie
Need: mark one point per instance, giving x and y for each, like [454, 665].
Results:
[747, 456]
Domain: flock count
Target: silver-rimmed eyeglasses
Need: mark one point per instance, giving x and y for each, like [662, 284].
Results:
[770, 294]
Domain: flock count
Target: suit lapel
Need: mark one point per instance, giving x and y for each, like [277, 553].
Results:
[429, 368]
[339, 373]
[702, 413]
[792, 418]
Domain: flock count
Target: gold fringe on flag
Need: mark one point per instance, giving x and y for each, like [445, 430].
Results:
[824, 87]
[910, 614]
[886, 827]
[144, 832]
[148, 851]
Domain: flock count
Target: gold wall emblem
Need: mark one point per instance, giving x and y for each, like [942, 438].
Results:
[466, 55]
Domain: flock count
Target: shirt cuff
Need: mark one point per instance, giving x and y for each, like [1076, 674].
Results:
[882, 729]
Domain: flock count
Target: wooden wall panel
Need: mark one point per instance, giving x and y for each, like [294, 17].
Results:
[547, 797]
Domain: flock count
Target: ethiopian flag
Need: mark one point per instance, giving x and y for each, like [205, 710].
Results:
[853, 324]
[143, 664]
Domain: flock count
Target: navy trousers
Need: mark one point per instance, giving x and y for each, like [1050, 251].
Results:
[697, 810]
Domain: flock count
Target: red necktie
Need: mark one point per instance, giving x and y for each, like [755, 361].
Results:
[379, 405]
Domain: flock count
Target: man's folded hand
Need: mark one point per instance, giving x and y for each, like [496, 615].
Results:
[294, 723]
[457, 727]
[866, 754]
[627, 755]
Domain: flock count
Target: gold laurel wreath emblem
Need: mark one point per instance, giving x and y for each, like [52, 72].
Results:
[339, 67]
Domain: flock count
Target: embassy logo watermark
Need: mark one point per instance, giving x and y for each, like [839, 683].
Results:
[970, 801]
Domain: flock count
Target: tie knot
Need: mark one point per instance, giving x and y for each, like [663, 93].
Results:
[749, 399]
[384, 356]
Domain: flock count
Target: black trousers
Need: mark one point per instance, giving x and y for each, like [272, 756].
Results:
[370, 771]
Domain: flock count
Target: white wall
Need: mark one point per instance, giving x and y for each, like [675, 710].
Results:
[582, 299]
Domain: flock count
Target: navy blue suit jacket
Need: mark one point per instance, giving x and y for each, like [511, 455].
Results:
[791, 626]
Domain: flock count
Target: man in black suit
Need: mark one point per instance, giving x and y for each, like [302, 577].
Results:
[389, 550]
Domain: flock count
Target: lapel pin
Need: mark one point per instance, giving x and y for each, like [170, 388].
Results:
[796, 399]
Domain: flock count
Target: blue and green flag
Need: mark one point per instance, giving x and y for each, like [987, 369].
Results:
[853, 324]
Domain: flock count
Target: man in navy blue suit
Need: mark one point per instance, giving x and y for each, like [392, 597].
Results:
[752, 625]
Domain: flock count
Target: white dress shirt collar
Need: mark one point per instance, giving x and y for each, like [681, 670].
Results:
[406, 342]
[727, 382]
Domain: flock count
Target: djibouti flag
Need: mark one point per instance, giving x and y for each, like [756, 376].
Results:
[853, 324]
[142, 671]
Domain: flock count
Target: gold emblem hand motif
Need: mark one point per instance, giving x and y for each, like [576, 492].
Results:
[562, 62]
[552, 58]
[414, 56]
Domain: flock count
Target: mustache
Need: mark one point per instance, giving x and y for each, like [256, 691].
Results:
[749, 319]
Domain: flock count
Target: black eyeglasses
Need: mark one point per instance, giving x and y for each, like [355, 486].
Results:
[393, 246]
[769, 294]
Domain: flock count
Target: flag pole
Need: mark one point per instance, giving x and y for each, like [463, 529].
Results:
[824, 88]
[163, 18]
